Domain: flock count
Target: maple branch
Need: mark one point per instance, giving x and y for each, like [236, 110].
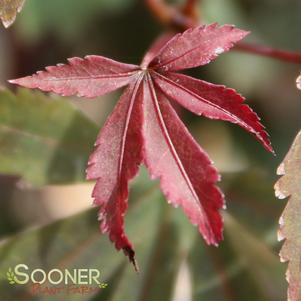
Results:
[183, 18]
[190, 9]
[176, 18]
[283, 55]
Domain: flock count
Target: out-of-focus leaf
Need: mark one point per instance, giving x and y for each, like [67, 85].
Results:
[7, 184]
[43, 139]
[9, 10]
[264, 269]
[289, 185]
[77, 243]
[254, 204]
[222, 11]
[298, 82]
[68, 20]
[243, 267]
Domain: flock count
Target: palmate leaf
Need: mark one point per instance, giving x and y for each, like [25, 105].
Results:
[9, 10]
[290, 222]
[45, 140]
[244, 267]
[144, 128]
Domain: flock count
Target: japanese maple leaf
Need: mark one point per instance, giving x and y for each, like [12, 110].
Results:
[144, 127]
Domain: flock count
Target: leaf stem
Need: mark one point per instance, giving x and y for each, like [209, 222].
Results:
[182, 18]
[190, 10]
[173, 17]
[283, 55]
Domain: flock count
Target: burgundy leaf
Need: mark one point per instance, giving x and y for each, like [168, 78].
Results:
[212, 101]
[89, 77]
[197, 46]
[115, 161]
[186, 174]
[145, 128]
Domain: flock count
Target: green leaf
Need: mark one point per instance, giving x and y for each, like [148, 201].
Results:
[243, 267]
[9, 10]
[43, 139]
[67, 21]
[77, 243]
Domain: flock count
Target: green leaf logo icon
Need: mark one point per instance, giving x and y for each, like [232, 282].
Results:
[10, 275]
[103, 285]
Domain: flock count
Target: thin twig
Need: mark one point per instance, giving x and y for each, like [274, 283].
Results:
[182, 19]
[283, 55]
[170, 16]
[190, 10]
[160, 10]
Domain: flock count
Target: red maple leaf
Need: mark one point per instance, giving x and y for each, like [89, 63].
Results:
[144, 127]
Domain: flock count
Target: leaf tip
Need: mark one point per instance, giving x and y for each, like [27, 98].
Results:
[130, 253]
[7, 24]
[263, 137]
[279, 194]
[281, 169]
[23, 81]
[13, 81]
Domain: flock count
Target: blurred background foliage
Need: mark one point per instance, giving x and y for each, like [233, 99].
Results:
[45, 142]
